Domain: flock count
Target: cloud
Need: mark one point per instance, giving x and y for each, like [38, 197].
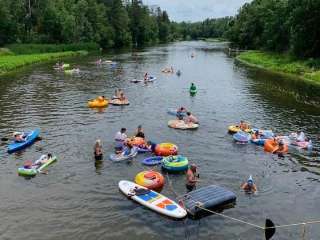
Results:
[197, 10]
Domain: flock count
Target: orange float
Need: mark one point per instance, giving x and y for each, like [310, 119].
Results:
[271, 145]
[166, 149]
[136, 141]
[150, 179]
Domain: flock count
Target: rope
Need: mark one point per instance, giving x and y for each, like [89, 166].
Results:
[255, 225]
[303, 224]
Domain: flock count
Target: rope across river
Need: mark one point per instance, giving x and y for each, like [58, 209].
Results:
[269, 227]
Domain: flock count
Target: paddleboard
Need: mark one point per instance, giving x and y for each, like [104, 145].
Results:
[151, 199]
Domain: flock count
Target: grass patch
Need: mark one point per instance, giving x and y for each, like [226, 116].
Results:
[12, 62]
[51, 48]
[282, 63]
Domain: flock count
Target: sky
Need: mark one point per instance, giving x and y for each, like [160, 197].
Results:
[197, 10]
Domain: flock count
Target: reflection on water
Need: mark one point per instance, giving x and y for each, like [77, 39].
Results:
[79, 198]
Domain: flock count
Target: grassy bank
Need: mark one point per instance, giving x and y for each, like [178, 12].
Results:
[281, 63]
[11, 62]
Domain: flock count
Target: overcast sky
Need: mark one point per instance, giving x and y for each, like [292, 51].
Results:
[197, 10]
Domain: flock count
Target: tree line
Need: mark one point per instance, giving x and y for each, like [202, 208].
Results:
[284, 26]
[110, 23]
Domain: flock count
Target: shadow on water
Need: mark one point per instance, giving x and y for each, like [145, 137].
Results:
[279, 88]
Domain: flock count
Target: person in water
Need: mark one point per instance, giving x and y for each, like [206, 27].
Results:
[101, 98]
[301, 137]
[146, 77]
[151, 145]
[180, 113]
[171, 69]
[249, 186]
[243, 125]
[192, 177]
[280, 150]
[120, 139]
[43, 159]
[98, 154]
[140, 132]
[256, 135]
[19, 137]
[193, 87]
[122, 97]
[128, 149]
[191, 119]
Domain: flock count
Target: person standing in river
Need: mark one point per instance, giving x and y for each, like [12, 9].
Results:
[192, 178]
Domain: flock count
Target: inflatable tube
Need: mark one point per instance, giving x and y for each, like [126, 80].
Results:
[193, 91]
[234, 129]
[259, 142]
[27, 172]
[97, 103]
[151, 79]
[143, 150]
[242, 137]
[150, 179]
[166, 149]
[72, 71]
[118, 102]
[175, 163]
[173, 112]
[121, 157]
[151, 161]
[136, 141]
[303, 145]
[31, 172]
[272, 146]
[180, 124]
[136, 81]
[29, 140]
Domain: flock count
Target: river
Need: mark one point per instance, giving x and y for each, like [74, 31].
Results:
[79, 198]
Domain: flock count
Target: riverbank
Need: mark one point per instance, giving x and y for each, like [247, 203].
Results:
[282, 63]
[9, 63]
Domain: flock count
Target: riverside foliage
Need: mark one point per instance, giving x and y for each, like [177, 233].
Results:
[110, 23]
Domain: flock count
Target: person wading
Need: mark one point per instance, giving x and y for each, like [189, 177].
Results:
[192, 177]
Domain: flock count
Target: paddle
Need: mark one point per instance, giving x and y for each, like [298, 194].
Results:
[269, 229]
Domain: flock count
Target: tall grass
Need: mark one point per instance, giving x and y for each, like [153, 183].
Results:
[283, 63]
[9, 63]
[50, 48]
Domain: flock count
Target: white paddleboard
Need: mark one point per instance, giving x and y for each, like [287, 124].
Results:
[153, 200]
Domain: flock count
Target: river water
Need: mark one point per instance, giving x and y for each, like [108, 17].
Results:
[79, 198]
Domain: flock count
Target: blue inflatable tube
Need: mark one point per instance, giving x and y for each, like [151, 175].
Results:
[30, 139]
[242, 137]
[259, 142]
[143, 150]
[151, 161]
[173, 112]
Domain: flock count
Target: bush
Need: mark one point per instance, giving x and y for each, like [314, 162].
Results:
[51, 48]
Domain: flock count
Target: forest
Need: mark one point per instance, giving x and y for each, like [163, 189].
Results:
[110, 23]
[290, 26]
